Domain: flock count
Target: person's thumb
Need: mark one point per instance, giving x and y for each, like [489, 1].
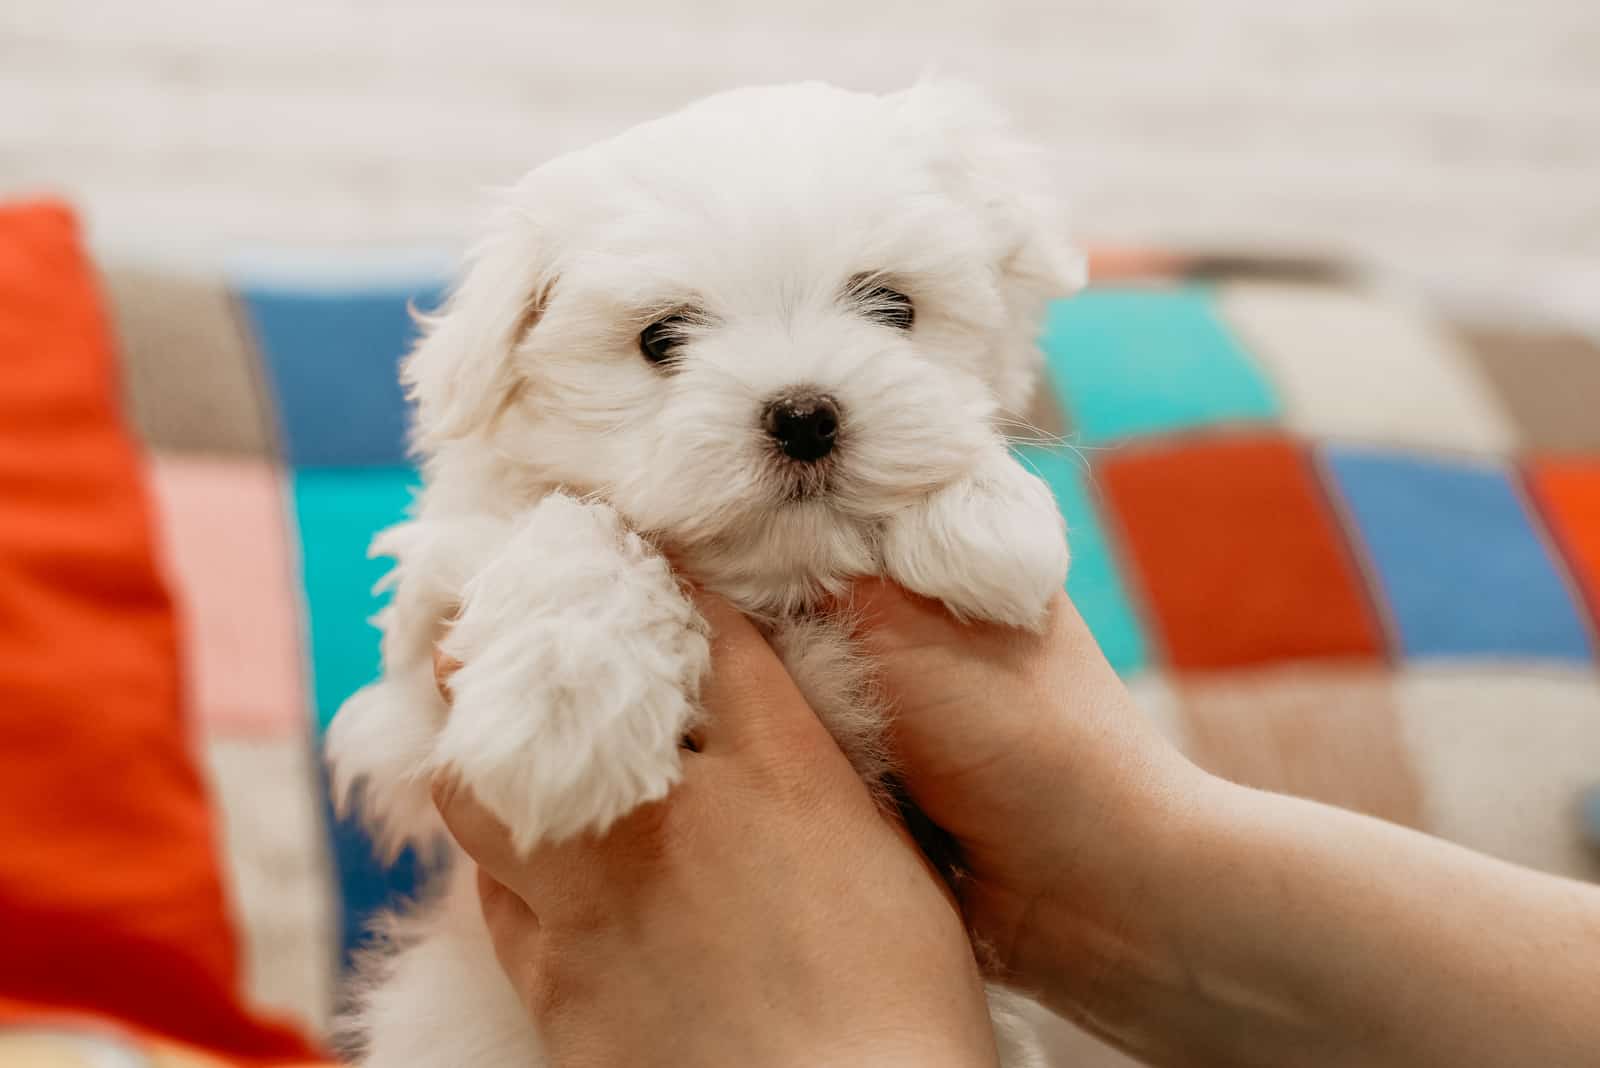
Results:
[484, 838]
[964, 696]
[889, 619]
[748, 696]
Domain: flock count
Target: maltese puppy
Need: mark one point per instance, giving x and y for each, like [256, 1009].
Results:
[773, 333]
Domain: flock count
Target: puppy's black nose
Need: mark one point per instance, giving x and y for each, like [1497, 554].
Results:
[803, 425]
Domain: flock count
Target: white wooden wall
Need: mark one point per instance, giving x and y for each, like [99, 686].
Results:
[1453, 140]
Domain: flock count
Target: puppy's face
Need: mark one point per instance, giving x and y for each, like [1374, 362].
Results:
[759, 327]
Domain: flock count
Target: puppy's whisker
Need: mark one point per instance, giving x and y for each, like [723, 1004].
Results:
[1035, 435]
[1048, 442]
[1027, 461]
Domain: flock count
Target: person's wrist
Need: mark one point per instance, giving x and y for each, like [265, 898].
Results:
[1155, 962]
[1102, 924]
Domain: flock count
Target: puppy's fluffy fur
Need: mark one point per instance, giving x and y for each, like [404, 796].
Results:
[560, 461]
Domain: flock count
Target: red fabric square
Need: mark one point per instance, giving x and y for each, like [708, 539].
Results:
[111, 898]
[1568, 493]
[1240, 555]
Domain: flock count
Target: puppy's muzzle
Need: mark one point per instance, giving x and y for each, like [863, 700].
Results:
[804, 425]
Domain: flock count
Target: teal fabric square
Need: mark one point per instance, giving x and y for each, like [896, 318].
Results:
[1093, 581]
[1141, 361]
[339, 510]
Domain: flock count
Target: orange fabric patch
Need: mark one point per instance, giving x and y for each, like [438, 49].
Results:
[1240, 556]
[1568, 492]
[111, 899]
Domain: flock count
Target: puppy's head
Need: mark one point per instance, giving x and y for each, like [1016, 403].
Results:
[758, 326]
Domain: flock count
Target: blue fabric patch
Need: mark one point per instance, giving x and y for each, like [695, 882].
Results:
[333, 358]
[1142, 361]
[367, 886]
[1093, 581]
[338, 513]
[1461, 567]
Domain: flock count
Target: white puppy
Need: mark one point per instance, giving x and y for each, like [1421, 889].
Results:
[772, 333]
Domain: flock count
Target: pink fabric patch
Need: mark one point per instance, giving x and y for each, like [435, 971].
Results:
[225, 547]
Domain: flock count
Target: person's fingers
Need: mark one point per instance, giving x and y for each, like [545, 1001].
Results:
[889, 618]
[749, 698]
[514, 930]
[444, 666]
[566, 877]
[485, 839]
[504, 912]
[883, 612]
[552, 868]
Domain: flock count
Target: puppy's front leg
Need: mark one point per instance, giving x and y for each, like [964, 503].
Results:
[581, 661]
[991, 546]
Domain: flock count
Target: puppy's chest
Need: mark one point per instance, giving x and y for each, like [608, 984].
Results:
[836, 679]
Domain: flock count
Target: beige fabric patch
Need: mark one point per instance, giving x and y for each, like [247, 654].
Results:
[1330, 734]
[1153, 693]
[278, 873]
[189, 369]
[1549, 382]
[1503, 756]
[1366, 368]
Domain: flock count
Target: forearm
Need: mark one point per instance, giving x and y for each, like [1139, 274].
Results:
[1274, 931]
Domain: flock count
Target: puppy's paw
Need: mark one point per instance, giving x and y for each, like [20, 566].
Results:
[991, 547]
[581, 663]
[376, 748]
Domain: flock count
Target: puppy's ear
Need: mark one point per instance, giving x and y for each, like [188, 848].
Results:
[985, 162]
[1007, 179]
[463, 372]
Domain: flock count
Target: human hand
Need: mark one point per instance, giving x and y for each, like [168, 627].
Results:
[1029, 751]
[765, 913]
[1190, 921]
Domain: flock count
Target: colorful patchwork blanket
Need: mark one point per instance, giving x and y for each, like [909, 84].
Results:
[1334, 547]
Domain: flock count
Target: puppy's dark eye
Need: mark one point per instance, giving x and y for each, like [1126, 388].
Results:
[883, 305]
[661, 339]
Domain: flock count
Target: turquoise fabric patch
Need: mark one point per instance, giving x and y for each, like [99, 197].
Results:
[339, 510]
[1093, 582]
[1140, 361]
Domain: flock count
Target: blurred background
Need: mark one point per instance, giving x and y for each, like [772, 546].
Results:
[1457, 144]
